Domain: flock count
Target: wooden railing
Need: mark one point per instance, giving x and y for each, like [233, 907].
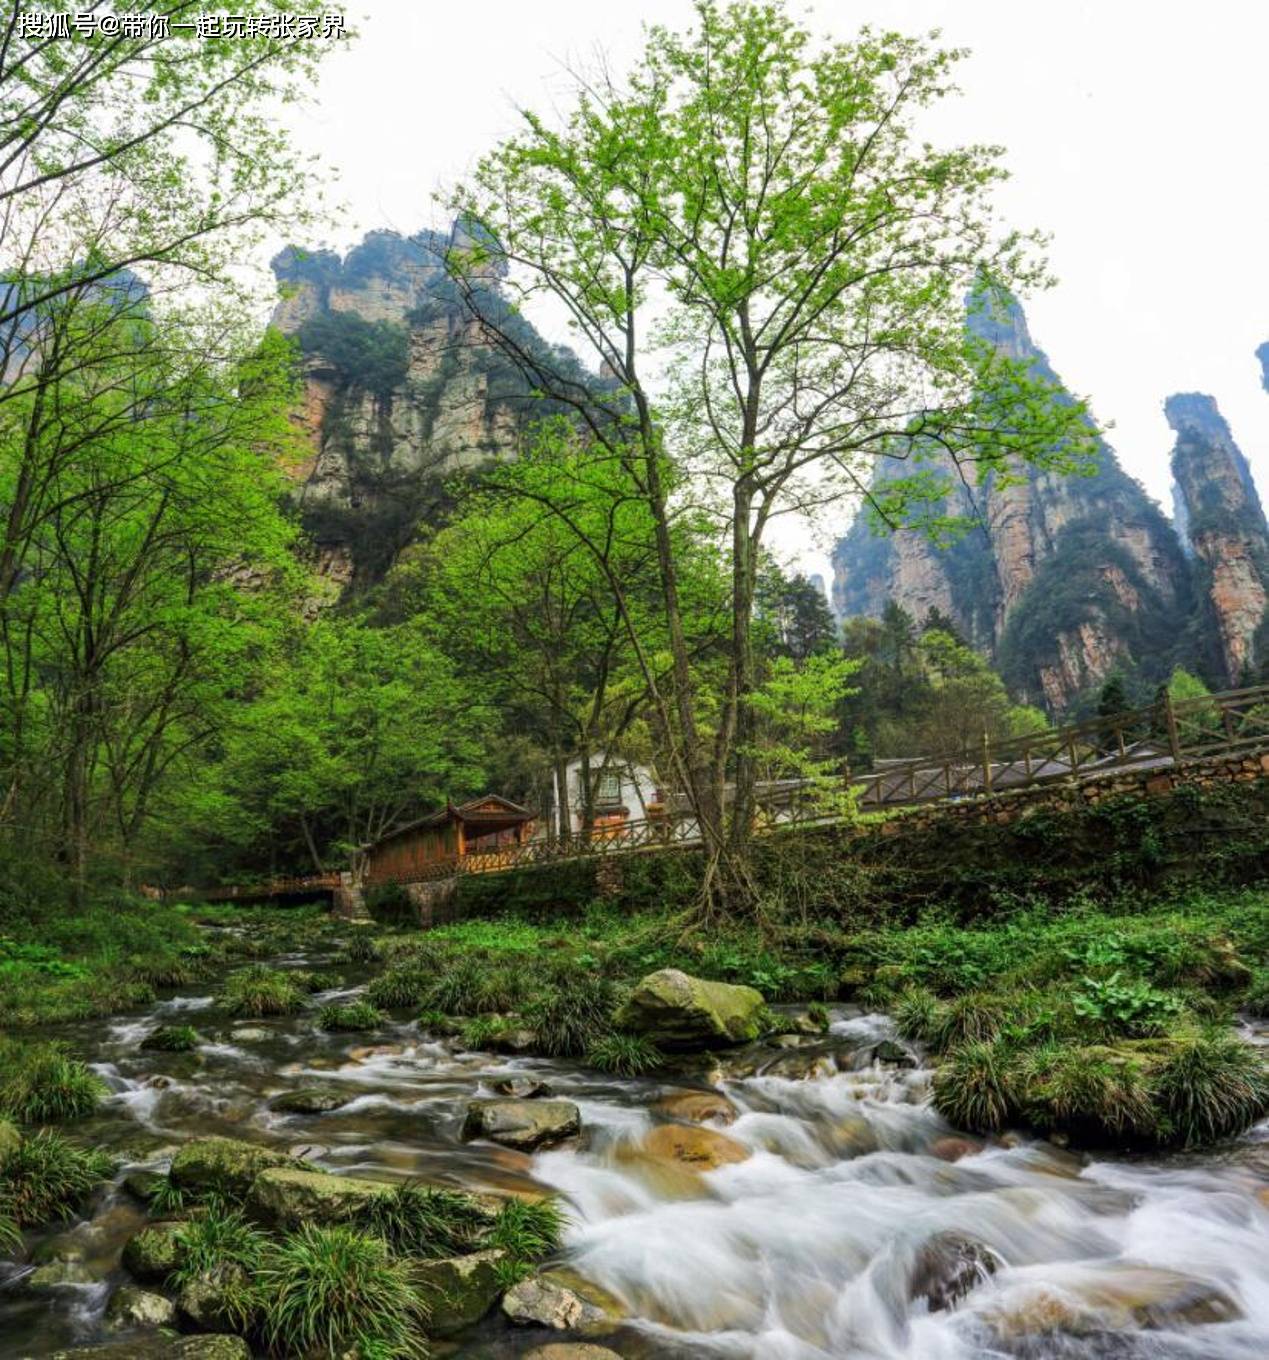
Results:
[1159, 736]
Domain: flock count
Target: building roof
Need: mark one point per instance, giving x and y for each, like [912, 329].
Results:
[491, 812]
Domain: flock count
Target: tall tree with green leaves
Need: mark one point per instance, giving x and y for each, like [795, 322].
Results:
[750, 237]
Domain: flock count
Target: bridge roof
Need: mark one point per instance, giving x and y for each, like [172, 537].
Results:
[491, 812]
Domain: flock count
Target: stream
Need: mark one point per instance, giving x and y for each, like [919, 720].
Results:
[807, 1248]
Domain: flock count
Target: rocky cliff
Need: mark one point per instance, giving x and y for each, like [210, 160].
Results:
[401, 391]
[1061, 579]
[1224, 523]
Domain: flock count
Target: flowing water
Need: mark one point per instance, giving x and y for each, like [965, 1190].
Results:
[812, 1246]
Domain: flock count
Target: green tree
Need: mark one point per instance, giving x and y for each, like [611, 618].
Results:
[807, 260]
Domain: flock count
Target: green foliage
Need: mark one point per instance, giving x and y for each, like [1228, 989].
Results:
[46, 1178]
[258, 991]
[1211, 1086]
[370, 354]
[1129, 1006]
[1089, 1092]
[625, 1055]
[215, 1240]
[333, 1289]
[421, 1220]
[172, 1039]
[573, 1015]
[42, 1084]
[400, 985]
[527, 1230]
[974, 1088]
[361, 947]
[351, 1018]
[168, 1200]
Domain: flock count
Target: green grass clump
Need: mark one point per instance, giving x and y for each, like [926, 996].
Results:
[216, 1239]
[1256, 1002]
[1094, 1094]
[360, 948]
[43, 1085]
[625, 1055]
[172, 1039]
[475, 986]
[573, 1015]
[1211, 1086]
[420, 1220]
[352, 1018]
[527, 1231]
[329, 1290]
[402, 984]
[976, 1017]
[917, 1013]
[47, 1178]
[257, 991]
[975, 1087]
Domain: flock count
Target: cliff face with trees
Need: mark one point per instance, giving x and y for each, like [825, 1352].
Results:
[1222, 519]
[400, 391]
[1061, 579]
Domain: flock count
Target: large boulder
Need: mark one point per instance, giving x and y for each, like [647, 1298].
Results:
[207, 1300]
[459, 1290]
[154, 1253]
[58, 1273]
[132, 1307]
[678, 1011]
[287, 1196]
[225, 1166]
[523, 1124]
[564, 1301]
[700, 1107]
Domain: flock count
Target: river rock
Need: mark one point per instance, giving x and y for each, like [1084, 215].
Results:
[514, 1040]
[523, 1124]
[162, 1347]
[459, 1290]
[678, 1011]
[249, 1034]
[286, 1196]
[154, 1253]
[144, 1185]
[699, 1148]
[521, 1088]
[801, 1064]
[309, 1100]
[58, 1273]
[569, 1350]
[948, 1266]
[133, 1307]
[563, 1300]
[697, 1106]
[225, 1165]
[952, 1149]
[204, 1300]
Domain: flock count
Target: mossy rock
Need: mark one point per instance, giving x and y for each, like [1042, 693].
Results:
[522, 1124]
[287, 1196]
[562, 1300]
[154, 1253]
[162, 1347]
[309, 1100]
[680, 1012]
[133, 1307]
[227, 1166]
[204, 1300]
[459, 1290]
[144, 1185]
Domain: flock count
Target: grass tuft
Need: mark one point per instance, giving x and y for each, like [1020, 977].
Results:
[1212, 1086]
[43, 1085]
[257, 991]
[47, 1178]
[528, 1231]
[331, 1290]
[172, 1039]
[421, 1220]
[625, 1055]
[355, 1017]
[974, 1088]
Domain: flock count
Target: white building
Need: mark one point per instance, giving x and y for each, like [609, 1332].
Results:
[622, 791]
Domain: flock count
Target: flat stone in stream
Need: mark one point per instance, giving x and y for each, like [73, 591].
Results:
[227, 1166]
[287, 1196]
[57, 1274]
[696, 1147]
[130, 1306]
[309, 1100]
[570, 1350]
[459, 1290]
[161, 1347]
[523, 1124]
[697, 1106]
[564, 1301]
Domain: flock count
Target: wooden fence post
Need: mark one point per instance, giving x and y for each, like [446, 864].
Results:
[1174, 740]
[986, 764]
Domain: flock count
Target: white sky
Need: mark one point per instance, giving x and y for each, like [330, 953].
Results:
[1135, 131]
